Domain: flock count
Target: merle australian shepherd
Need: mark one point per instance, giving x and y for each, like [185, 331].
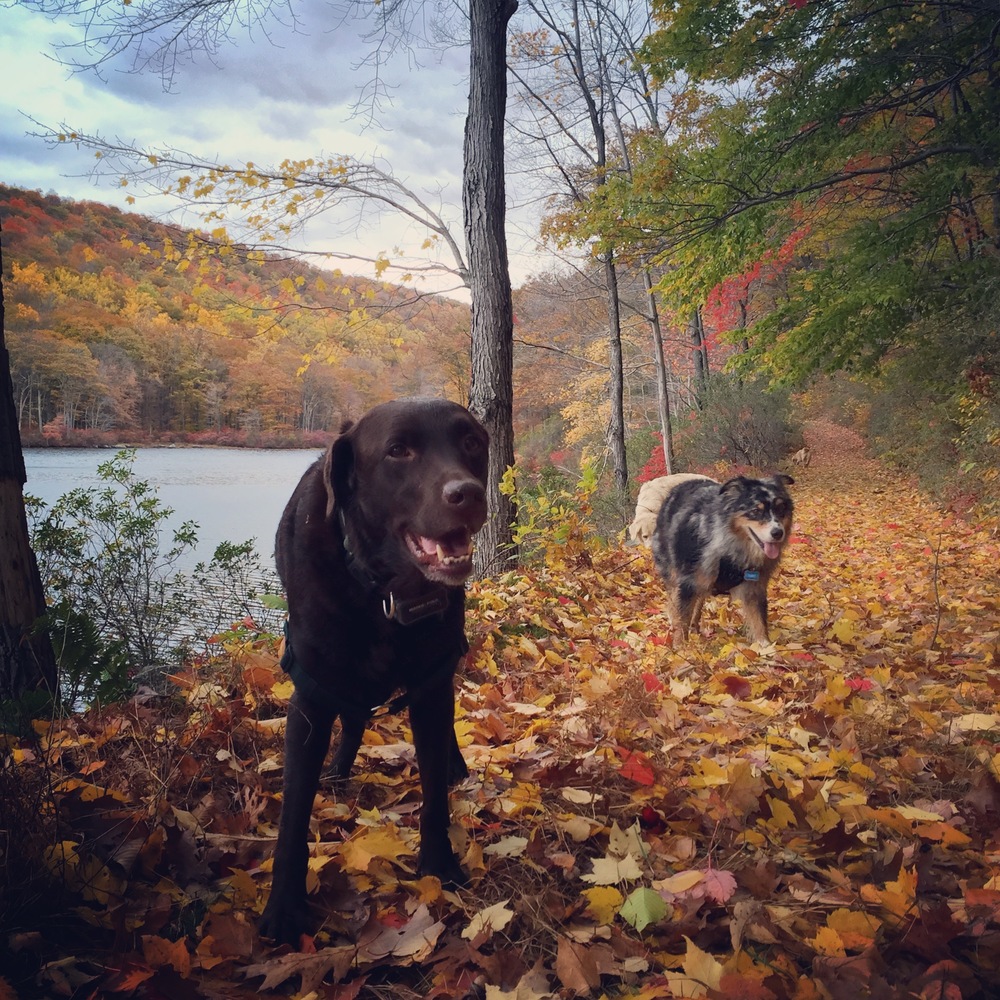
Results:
[722, 538]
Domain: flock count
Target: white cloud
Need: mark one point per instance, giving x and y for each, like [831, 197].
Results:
[283, 92]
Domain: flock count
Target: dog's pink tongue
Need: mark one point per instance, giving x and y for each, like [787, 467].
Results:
[427, 545]
[772, 550]
[431, 547]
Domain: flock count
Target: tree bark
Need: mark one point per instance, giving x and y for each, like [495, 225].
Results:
[26, 659]
[699, 357]
[662, 389]
[491, 393]
[616, 430]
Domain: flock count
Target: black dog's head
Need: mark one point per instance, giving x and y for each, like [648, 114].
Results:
[408, 482]
[760, 509]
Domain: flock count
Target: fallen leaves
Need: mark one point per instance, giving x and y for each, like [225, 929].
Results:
[811, 817]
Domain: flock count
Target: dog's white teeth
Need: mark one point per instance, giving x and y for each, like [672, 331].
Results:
[461, 557]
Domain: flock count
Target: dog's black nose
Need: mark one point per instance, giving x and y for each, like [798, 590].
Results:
[463, 493]
[777, 532]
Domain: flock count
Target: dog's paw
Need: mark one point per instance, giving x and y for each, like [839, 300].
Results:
[284, 921]
[445, 867]
[458, 770]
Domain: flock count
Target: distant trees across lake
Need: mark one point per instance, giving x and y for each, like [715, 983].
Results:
[109, 339]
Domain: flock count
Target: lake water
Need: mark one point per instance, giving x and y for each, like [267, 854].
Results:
[232, 494]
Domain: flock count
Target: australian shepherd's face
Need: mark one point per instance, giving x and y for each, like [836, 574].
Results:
[760, 513]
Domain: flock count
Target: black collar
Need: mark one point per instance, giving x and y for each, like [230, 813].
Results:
[403, 611]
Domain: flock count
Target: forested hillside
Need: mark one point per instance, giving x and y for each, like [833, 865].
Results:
[121, 328]
[116, 324]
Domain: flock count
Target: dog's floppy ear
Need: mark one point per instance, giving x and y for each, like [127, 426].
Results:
[782, 479]
[734, 485]
[338, 471]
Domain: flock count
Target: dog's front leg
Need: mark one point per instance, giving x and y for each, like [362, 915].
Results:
[432, 719]
[753, 597]
[307, 740]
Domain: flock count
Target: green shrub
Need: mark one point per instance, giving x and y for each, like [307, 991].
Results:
[234, 587]
[99, 553]
[555, 516]
[120, 611]
[744, 422]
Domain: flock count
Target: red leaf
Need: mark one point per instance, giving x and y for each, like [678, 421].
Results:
[738, 687]
[637, 769]
[859, 684]
[650, 819]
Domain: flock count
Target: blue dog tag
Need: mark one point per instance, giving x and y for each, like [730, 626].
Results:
[751, 574]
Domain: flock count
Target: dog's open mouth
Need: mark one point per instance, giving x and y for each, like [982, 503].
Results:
[447, 559]
[771, 549]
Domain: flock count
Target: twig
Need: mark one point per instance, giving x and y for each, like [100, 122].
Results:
[937, 593]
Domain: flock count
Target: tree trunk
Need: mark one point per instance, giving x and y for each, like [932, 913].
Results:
[662, 389]
[616, 430]
[26, 659]
[699, 357]
[491, 393]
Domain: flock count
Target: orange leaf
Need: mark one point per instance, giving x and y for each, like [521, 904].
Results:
[579, 966]
[159, 952]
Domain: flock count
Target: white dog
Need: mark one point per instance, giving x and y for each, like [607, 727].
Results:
[649, 502]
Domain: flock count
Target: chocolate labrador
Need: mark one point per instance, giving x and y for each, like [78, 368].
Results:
[373, 550]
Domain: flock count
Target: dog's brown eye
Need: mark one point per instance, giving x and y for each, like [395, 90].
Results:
[472, 444]
[398, 450]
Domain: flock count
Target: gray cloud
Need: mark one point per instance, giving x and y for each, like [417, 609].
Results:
[281, 92]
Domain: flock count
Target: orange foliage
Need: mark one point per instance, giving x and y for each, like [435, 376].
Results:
[198, 337]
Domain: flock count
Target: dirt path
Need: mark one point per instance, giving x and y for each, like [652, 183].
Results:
[841, 460]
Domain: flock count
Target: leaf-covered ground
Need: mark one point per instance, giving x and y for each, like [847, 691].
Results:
[819, 817]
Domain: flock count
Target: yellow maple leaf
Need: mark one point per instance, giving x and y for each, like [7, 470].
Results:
[384, 842]
[708, 774]
[243, 887]
[857, 930]
[828, 942]
[701, 969]
[781, 814]
[283, 691]
[159, 952]
[898, 898]
[604, 902]
[679, 883]
[820, 816]
[844, 631]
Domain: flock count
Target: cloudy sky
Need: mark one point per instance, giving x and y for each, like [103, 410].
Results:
[277, 92]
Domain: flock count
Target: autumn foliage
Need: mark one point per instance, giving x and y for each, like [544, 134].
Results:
[124, 328]
[813, 818]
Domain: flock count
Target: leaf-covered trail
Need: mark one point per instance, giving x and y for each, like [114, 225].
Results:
[818, 817]
[845, 778]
